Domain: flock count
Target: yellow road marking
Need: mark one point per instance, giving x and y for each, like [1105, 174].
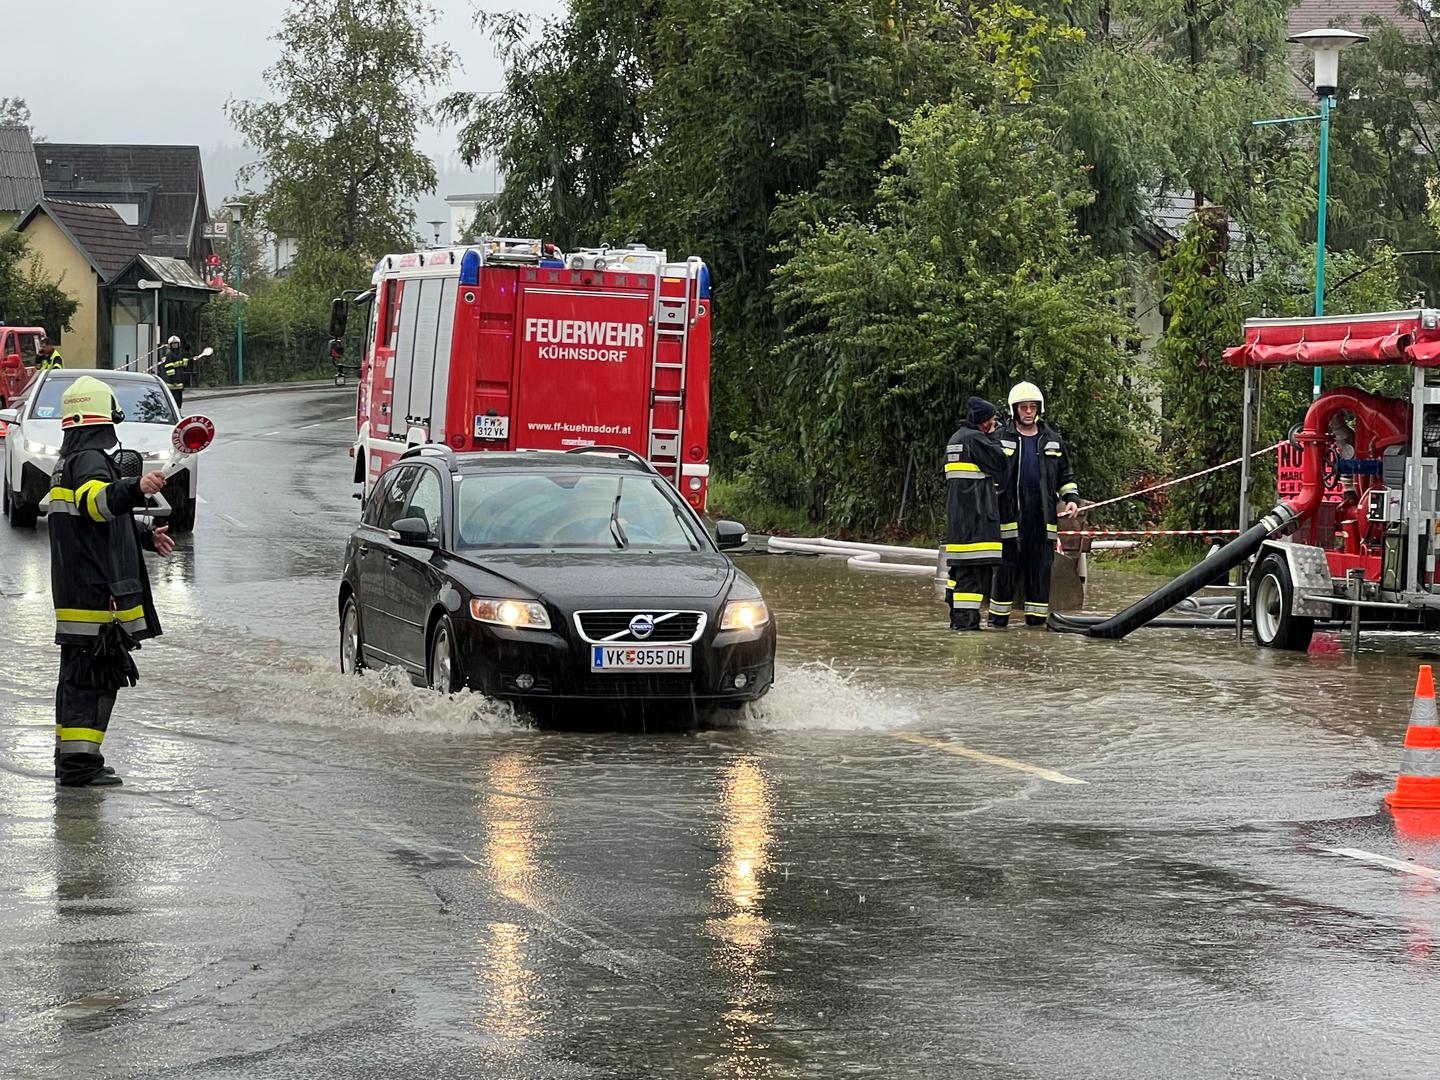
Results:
[991, 759]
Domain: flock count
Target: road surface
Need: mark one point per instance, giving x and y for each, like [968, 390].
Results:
[999, 856]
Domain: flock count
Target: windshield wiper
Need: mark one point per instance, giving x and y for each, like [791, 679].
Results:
[684, 528]
[621, 541]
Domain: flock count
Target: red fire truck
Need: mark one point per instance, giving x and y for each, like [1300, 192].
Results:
[509, 345]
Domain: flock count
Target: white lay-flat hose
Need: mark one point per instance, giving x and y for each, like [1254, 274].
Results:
[875, 558]
[881, 558]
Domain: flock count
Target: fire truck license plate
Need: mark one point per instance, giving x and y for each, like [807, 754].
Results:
[492, 427]
[645, 657]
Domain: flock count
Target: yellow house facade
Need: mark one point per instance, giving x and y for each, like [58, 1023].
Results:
[68, 267]
[82, 247]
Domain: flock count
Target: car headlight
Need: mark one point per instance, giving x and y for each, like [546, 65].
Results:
[33, 447]
[511, 613]
[744, 615]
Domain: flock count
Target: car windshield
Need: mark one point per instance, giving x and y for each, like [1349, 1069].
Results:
[571, 510]
[142, 401]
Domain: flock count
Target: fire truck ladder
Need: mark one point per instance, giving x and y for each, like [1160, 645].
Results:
[672, 326]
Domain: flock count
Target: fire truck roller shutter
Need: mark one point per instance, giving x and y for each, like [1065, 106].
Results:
[422, 364]
[444, 342]
[400, 410]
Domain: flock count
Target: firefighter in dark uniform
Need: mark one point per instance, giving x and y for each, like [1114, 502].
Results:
[46, 355]
[973, 467]
[101, 591]
[1038, 478]
[175, 369]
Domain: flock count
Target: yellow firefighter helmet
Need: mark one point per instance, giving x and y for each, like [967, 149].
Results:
[86, 402]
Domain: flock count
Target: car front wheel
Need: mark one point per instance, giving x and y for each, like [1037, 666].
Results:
[444, 670]
[352, 648]
[23, 515]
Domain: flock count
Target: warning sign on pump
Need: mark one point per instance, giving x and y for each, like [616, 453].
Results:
[1290, 473]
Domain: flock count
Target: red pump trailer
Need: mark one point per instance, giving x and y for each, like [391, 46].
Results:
[509, 345]
[1367, 513]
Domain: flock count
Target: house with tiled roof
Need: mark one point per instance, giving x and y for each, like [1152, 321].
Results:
[129, 300]
[20, 186]
[159, 191]
[1347, 15]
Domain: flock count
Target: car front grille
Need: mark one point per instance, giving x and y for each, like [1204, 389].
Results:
[671, 627]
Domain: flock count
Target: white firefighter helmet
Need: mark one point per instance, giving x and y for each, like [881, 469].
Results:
[174, 340]
[1026, 391]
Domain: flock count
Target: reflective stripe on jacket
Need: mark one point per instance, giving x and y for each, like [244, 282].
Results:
[973, 464]
[176, 370]
[1057, 477]
[97, 573]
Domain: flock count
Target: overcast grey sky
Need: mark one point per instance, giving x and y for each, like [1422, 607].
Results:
[160, 71]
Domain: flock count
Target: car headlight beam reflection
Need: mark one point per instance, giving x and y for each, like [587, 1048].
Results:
[512, 613]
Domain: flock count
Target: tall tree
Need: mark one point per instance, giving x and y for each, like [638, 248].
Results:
[968, 275]
[338, 159]
[570, 120]
[14, 112]
[1161, 97]
[1385, 142]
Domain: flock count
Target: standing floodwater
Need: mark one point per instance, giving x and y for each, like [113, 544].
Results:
[1006, 854]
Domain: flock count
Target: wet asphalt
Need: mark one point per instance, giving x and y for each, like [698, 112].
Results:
[1005, 855]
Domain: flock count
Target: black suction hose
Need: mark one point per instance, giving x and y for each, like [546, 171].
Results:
[1194, 579]
[1079, 624]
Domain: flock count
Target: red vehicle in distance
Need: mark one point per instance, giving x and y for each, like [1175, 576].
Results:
[18, 360]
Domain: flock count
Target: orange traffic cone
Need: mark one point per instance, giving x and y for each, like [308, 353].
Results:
[1418, 785]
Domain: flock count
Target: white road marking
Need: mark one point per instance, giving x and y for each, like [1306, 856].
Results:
[1383, 860]
[990, 759]
[268, 434]
[232, 521]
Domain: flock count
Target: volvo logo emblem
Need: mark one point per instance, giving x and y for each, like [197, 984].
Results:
[642, 626]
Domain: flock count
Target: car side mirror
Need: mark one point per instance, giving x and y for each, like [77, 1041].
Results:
[339, 316]
[9, 416]
[730, 534]
[412, 532]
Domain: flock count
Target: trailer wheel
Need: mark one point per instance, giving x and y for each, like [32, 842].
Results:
[1271, 595]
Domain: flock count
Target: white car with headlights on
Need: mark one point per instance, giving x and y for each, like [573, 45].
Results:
[32, 442]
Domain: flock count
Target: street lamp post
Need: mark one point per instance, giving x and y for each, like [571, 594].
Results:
[237, 208]
[435, 229]
[1325, 47]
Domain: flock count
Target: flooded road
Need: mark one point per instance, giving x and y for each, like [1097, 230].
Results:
[1013, 854]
